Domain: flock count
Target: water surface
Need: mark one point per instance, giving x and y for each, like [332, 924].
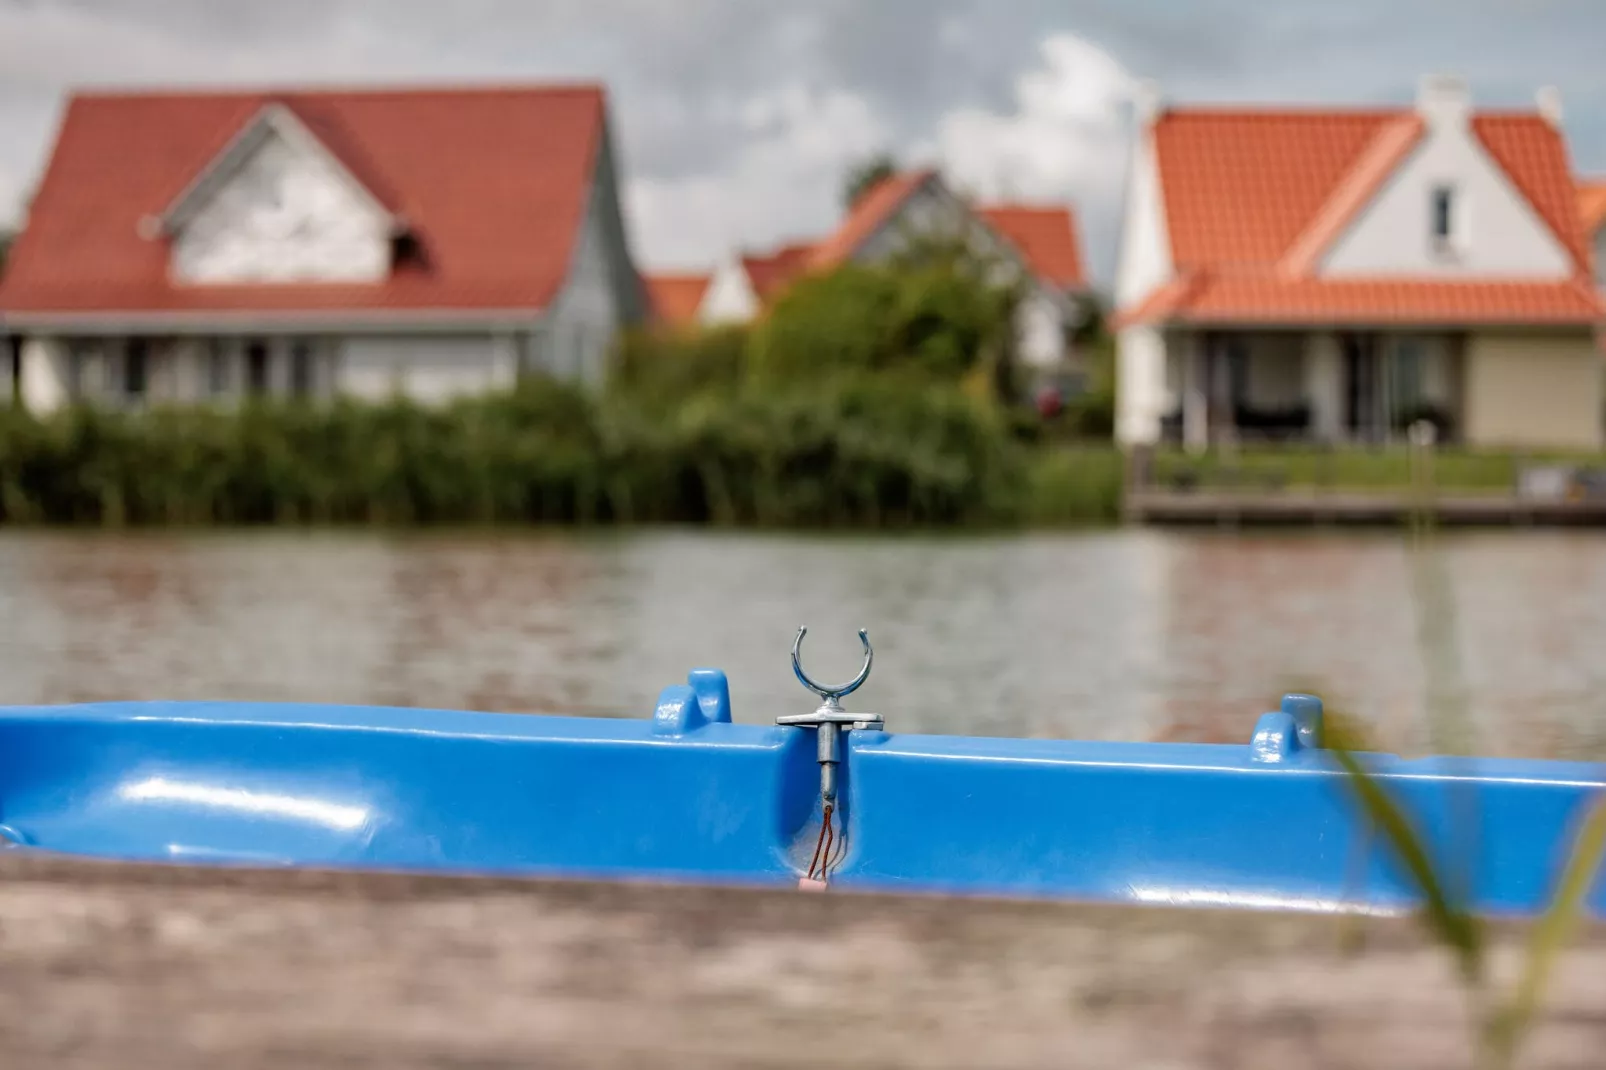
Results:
[1126, 634]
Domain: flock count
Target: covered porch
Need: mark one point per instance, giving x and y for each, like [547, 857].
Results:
[1226, 386]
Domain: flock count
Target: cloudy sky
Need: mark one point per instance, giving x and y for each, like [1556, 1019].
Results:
[737, 118]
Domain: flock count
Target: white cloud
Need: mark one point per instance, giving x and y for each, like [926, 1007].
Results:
[1065, 139]
[784, 182]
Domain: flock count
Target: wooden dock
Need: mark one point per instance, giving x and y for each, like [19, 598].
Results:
[1152, 506]
[165, 968]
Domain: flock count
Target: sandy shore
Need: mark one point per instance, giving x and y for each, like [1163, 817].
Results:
[157, 968]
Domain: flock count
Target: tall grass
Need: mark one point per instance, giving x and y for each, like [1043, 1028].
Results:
[1502, 1019]
[872, 451]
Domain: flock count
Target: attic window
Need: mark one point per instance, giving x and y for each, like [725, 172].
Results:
[407, 251]
[1444, 219]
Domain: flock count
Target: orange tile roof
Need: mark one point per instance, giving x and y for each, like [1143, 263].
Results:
[1592, 205]
[492, 182]
[1534, 154]
[1392, 142]
[676, 299]
[873, 208]
[1253, 197]
[1269, 300]
[1046, 239]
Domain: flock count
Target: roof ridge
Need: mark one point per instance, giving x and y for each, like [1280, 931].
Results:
[871, 210]
[283, 91]
[1573, 238]
[1366, 174]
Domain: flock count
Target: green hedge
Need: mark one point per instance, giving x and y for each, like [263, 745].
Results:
[865, 452]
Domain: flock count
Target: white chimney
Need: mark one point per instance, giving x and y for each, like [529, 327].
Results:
[1147, 101]
[1548, 101]
[1443, 100]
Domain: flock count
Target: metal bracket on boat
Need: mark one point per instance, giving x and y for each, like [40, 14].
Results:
[830, 719]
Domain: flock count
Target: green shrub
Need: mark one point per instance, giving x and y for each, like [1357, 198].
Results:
[854, 450]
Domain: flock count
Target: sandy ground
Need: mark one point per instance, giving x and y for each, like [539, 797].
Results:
[139, 968]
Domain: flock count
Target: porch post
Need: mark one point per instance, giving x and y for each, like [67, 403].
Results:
[1140, 361]
[1324, 385]
[44, 379]
[1195, 394]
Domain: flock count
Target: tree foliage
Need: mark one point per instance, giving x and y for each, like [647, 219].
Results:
[866, 175]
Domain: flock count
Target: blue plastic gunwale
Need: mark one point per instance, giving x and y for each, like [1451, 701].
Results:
[688, 795]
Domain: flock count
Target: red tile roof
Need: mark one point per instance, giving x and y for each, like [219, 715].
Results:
[770, 273]
[1046, 239]
[676, 299]
[1389, 147]
[492, 182]
[1534, 154]
[877, 205]
[1253, 198]
[1206, 298]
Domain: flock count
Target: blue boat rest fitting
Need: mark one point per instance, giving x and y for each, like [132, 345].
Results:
[691, 795]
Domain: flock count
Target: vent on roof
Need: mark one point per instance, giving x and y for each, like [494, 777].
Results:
[1548, 101]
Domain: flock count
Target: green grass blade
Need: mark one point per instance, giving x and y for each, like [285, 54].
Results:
[1551, 933]
[1449, 921]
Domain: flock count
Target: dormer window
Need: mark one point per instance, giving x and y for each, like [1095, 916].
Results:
[1444, 220]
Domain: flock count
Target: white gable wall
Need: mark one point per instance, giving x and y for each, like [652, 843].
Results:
[287, 214]
[932, 212]
[1143, 265]
[1143, 262]
[1040, 328]
[730, 297]
[1502, 236]
[586, 316]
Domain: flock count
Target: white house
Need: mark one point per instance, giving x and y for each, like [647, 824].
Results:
[1039, 241]
[1335, 274]
[192, 246]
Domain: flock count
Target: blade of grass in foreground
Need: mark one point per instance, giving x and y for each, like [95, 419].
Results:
[1452, 923]
[1550, 934]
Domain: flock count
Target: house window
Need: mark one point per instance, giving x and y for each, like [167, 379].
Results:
[81, 366]
[1444, 218]
[256, 368]
[1407, 384]
[217, 368]
[301, 368]
[135, 368]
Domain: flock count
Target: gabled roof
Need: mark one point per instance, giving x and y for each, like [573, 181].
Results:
[676, 299]
[770, 273]
[1045, 238]
[493, 184]
[1592, 205]
[869, 213]
[1254, 197]
[281, 120]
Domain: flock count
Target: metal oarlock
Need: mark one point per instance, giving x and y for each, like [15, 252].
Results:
[830, 720]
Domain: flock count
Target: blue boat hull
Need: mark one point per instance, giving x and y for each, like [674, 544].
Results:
[688, 795]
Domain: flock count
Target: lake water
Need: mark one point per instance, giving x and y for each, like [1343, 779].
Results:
[1492, 641]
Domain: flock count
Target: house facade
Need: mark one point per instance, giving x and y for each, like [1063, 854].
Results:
[1038, 242]
[187, 247]
[1337, 275]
